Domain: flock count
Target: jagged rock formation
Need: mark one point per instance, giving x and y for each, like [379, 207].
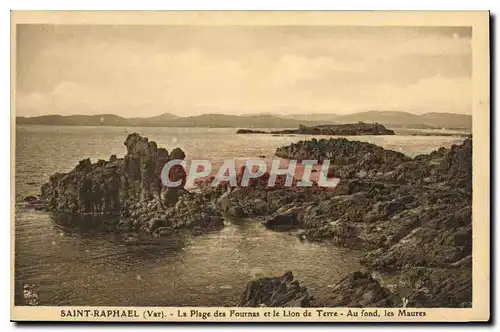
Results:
[131, 187]
[359, 289]
[109, 187]
[281, 291]
[350, 158]
[412, 214]
[88, 188]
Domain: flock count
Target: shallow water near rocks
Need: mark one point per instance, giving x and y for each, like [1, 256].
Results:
[73, 262]
[78, 266]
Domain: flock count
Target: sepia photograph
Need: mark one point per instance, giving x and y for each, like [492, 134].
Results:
[194, 166]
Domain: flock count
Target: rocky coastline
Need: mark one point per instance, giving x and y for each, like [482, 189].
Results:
[348, 129]
[130, 188]
[412, 216]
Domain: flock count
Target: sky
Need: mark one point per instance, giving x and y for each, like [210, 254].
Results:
[189, 70]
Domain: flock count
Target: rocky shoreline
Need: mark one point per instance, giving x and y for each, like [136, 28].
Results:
[131, 188]
[411, 215]
[349, 129]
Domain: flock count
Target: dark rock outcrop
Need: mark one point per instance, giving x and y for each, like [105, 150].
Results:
[251, 131]
[348, 159]
[349, 129]
[283, 219]
[359, 289]
[281, 291]
[131, 187]
[412, 216]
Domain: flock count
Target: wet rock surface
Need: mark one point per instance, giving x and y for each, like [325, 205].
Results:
[348, 129]
[359, 289]
[283, 219]
[352, 159]
[282, 291]
[411, 216]
[131, 187]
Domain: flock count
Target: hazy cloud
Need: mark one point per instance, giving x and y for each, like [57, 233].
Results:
[188, 70]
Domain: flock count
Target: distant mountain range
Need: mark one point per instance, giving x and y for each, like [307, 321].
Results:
[390, 119]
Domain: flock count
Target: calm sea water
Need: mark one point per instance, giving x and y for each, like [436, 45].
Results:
[83, 265]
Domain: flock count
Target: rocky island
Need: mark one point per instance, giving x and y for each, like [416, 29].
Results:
[251, 131]
[412, 217]
[349, 129]
[130, 188]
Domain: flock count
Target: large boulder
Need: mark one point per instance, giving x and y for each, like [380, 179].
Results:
[359, 289]
[408, 214]
[347, 158]
[282, 291]
[283, 220]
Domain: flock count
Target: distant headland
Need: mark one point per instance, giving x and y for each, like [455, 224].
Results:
[347, 129]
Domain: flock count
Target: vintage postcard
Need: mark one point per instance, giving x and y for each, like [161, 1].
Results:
[250, 166]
